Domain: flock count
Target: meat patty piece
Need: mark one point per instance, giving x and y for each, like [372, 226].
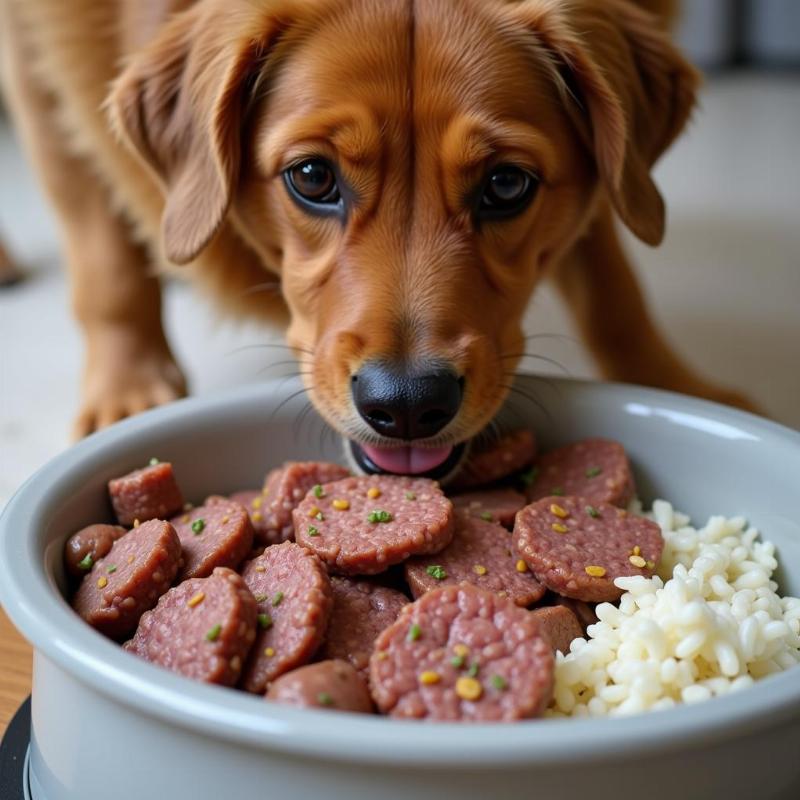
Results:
[361, 526]
[294, 597]
[498, 505]
[203, 628]
[283, 490]
[361, 610]
[216, 534]
[578, 550]
[595, 469]
[480, 554]
[460, 653]
[335, 685]
[149, 493]
[584, 612]
[88, 545]
[129, 579]
[509, 454]
[560, 625]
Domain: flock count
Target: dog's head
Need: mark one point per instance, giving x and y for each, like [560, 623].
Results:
[411, 169]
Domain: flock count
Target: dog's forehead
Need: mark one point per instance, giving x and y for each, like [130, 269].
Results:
[426, 59]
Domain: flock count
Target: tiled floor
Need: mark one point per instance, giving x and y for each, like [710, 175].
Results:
[725, 284]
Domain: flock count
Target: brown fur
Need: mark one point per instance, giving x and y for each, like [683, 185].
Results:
[211, 100]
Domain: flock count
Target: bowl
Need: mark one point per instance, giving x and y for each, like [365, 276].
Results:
[106, 724]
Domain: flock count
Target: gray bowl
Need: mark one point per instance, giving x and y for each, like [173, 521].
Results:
[106, 724]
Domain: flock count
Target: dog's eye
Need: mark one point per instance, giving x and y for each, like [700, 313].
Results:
[507, 190]
[314, 181]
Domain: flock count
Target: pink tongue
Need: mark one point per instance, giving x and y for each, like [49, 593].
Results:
[407, 460]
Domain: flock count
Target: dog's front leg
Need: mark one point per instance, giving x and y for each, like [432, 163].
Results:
[600, 289]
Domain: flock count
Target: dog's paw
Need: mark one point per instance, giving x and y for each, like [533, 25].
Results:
[113, 391]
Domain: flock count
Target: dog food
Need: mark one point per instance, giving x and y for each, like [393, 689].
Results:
[217, 534]
[509, 454]
[293, 592]
[203, 628]
[596, 469]
[283, 490]
[361, 526]
[148, 493]
[252, 500]
[361, 610]
[560, 625]
[584, 612]
[480, 554]
[87, 545]
[579, 550]
[129, 579]
[459, 653]
[499, 505]
[333, 684]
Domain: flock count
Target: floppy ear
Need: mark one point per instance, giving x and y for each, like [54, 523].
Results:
[179, 104]
[632, 93]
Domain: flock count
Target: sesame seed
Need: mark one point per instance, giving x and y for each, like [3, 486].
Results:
[637, 561]
[559, 528]
[185, 519]
[256, 502]
[521, 566]
[637, 551]
[341, 504]
[595, 571]
[558, 511]
[479, 569]
[373, 493]
[261, 568]
[469, 688]
[429, 677]
[410, 496]
[226, 519]
[136, 523]
[196, 599]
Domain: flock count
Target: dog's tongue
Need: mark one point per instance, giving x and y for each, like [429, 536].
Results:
[407, 460]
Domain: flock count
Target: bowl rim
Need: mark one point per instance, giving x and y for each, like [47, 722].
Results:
[33, 603]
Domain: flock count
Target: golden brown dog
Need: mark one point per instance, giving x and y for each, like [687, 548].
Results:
[408, 170]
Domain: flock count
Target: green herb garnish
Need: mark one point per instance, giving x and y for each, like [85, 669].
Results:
[277, 599]
[312, 531]
[320, 516]
[324, 699]
[197, 526]
[593, 472]
[410, 496]
[435, 571]
[473, 669]
[592, 511]
[557, 491]
[153, 461]
[379, 515]
[265, 621]
[457, 661]
[87, 562]
[112, 568]
[528, 477]
[260, 598]
[499, 682]
[486, 515]
[414, 632]
[318, 491]
[213, 633]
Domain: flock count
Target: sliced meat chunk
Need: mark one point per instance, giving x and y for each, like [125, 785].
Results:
[216, 534]
[509, 454]
[498, 505]
[578, 550]
[202, 628]
[480, 554]
[361, 610]
[560, 625]
[293, 593]
[149, 493]
[335, 685]
[283, 490]
[129, 579]
[361, 526]
[87, 545]
[459, 653]
[596, 469]
[254, 501]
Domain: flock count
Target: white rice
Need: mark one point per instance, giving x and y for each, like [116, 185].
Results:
[709, 623]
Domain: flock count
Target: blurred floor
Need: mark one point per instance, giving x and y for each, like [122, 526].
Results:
[725, 285]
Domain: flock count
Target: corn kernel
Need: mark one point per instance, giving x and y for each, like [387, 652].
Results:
[521, 566]
[637, 561]
[256, 502]
[469, 688]
[102, 582]
[429, 677]
[269, 652]
[185, 519]
[136, 523]
[313, 511]
[257, 516]
[373, 492]
[558, 511]
[559, 528]
[637, 551]
[461, 650]
[595, 572]
[479, 569]
[196, 599]
[341, 505]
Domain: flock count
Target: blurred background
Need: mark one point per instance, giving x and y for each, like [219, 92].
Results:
[725, 285]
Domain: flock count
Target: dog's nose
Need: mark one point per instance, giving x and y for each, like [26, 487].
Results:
[406, 406]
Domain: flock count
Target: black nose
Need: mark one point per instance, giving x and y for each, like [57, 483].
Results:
[406, 406]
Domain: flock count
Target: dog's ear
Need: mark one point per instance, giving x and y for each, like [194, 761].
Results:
[629, 90]
[179, 104]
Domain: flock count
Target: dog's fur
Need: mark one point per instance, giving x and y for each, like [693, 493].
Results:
[161, 129]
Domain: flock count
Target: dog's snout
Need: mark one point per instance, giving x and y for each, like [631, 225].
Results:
[401, 405]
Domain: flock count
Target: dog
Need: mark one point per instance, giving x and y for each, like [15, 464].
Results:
[405, 171]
